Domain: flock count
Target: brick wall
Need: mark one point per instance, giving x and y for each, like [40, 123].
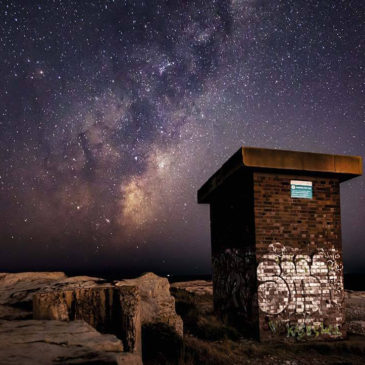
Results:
[233, 255]
[299, 258]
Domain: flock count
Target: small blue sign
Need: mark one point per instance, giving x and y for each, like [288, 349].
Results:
[301, 189]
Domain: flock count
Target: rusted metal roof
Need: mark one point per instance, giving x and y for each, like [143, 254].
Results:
[281, 161]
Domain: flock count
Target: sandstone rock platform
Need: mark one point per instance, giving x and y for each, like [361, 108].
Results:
[8, 312]
[199, 287]
[18, 288]
[357, 327]
[33, 342]
[107, 308]
[355, 305]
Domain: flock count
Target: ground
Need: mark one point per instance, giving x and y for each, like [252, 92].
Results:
[208, 341]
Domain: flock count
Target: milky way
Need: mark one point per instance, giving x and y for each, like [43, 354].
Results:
[113, 113]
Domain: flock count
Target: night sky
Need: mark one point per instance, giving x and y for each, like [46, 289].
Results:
[114, 113]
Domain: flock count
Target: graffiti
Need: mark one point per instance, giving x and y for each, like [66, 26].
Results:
[234, 270]
[287, 287]
[299, 284]
[300, 331]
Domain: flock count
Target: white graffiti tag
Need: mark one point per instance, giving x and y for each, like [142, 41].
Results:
[298, 283]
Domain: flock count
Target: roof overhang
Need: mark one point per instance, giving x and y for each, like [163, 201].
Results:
[281, 161]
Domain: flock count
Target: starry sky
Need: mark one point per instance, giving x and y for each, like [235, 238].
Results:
[114, 113]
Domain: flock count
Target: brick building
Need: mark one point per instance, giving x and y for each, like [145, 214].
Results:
[276, 242]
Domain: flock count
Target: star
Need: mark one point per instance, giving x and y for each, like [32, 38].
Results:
[114, 114]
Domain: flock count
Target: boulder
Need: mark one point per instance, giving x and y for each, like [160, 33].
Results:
[90, 304]
[107, 308]
[355, 305]
[157, 303]
[18, 289]
[198, 287]
[34, 342]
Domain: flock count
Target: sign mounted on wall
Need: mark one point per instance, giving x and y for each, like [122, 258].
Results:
[301, 189]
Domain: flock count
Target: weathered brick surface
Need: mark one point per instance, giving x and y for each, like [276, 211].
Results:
[298, 252]
[277, 260]
[233, 255]
[301, 223]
